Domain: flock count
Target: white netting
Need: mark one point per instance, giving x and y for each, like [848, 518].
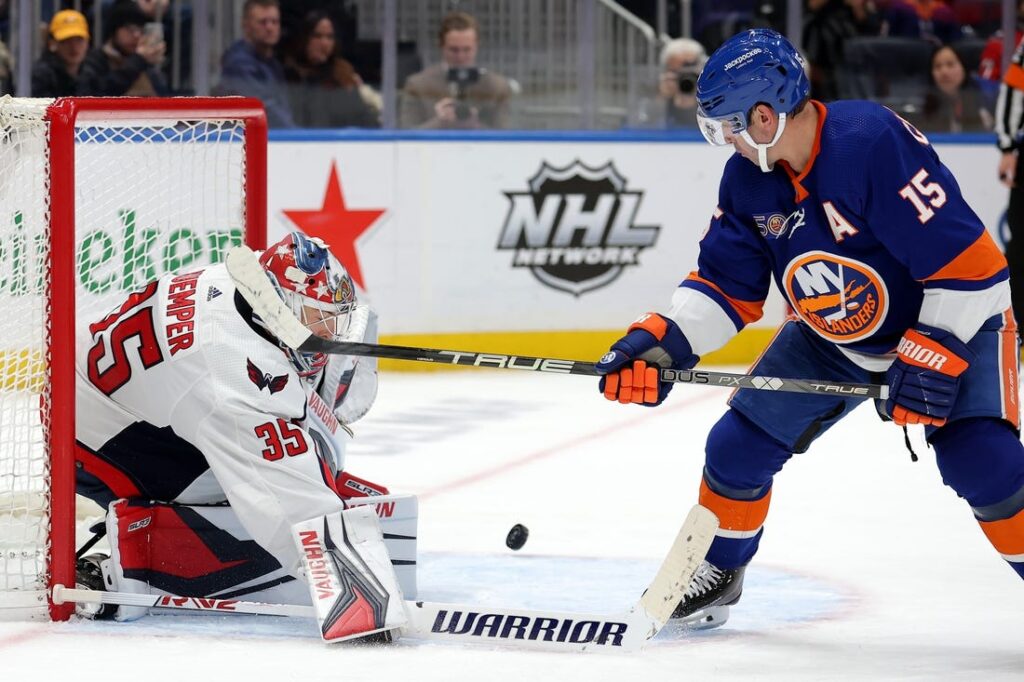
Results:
[152, 196]
[24, 465]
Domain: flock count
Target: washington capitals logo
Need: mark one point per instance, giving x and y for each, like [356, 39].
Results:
[264, 380]
[575, 227]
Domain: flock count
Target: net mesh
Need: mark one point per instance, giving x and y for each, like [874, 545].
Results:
[152, 196]
[24, 465]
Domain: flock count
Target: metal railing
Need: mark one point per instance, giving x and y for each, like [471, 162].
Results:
[573, 63]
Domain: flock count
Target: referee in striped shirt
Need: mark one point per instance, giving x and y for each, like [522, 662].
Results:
[1009, 131]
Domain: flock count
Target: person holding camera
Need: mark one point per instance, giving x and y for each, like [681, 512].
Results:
[681, 62]
[456, 93]
[128, 63]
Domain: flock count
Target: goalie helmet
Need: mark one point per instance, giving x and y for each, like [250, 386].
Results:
[317, 289]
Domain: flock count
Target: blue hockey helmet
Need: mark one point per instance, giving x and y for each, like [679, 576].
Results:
[754, 66]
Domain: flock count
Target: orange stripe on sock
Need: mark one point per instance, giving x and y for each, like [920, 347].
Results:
[1007, 536]
[742, 515]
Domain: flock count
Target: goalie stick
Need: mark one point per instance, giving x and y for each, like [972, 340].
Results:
[474, 624]
[251, 281]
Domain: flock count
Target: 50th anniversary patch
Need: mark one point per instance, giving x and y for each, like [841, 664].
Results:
[574, 228]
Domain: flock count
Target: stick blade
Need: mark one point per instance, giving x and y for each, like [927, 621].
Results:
[251, 281]
[688, 551]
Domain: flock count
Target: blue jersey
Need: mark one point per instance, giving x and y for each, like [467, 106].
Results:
[856, 241]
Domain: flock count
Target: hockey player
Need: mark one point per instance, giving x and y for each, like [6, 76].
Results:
[185, 401]
[892, 277]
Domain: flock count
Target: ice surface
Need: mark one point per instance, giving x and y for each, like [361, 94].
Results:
[869, 567]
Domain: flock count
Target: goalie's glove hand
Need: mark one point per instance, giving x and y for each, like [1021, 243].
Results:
[633, 365]
[925, 377]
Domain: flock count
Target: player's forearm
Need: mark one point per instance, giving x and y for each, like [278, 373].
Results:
[963, 312]
[702, 320]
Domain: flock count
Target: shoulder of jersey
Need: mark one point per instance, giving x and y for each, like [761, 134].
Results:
[855, 125]
[239, 356]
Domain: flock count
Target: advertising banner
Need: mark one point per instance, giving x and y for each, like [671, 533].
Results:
[472, 239]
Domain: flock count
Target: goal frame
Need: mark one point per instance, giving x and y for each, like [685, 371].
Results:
[63, 115]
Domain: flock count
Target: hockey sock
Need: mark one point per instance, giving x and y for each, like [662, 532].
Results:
[740, 526]
[982, 459]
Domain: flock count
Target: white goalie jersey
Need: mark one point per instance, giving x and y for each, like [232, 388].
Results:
[182, 396]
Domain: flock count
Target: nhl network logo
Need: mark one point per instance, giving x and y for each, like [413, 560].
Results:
[574, 228]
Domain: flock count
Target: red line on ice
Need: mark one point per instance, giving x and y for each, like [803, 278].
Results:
[505, 467]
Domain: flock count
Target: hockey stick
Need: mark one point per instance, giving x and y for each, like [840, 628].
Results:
[522, 628]
[251, 280]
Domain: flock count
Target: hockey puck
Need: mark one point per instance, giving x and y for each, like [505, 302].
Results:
[516, 537]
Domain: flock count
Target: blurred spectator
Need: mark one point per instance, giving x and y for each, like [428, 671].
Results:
[676, 103]
[455, 93]
[325, 91]
[991, 66]
[343, 14]
[128, 62]
[1009, 125]
[56, 72]
[827, 26]
[159, 11]
[929, 19]
[6, 71]
[249, 67]
[954, 102]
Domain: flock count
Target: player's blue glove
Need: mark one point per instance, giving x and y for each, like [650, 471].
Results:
[652, 340]
[925, 377]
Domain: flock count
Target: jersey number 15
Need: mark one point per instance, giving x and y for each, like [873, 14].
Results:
[918, 190]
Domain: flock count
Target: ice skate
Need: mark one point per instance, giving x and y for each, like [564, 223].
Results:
[89, 576]
[712, 591]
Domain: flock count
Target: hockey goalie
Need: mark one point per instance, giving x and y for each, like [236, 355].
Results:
[218, 452]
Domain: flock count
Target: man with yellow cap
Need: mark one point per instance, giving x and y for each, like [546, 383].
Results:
[56, 72]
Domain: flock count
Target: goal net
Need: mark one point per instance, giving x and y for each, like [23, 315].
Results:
[97, 198]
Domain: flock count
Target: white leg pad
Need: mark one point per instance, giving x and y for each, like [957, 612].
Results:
[348, 571]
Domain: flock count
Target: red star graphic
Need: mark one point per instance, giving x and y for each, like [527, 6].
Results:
[338, 225]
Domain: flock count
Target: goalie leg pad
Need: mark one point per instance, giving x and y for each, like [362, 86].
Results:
[398, 515]
[195, 551]
[349, 574]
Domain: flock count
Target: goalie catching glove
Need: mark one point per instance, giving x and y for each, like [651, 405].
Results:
[632, 367]
[925, 377]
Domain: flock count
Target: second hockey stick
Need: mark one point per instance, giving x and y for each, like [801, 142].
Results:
[252, 283]
[509, 626]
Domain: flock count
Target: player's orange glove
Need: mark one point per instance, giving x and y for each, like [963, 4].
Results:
[633, 365]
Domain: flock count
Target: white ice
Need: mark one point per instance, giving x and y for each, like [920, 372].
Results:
[869, 567]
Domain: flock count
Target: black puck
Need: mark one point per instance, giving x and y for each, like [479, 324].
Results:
[516, 537]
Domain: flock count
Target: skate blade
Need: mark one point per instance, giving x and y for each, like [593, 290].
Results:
[706, 619]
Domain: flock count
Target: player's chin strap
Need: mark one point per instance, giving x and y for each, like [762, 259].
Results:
[762, 149]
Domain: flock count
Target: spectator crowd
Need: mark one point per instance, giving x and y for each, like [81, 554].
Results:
[289, 55]
[937, 62]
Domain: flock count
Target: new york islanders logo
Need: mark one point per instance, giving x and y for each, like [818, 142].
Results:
[264, 380]
[842, 299]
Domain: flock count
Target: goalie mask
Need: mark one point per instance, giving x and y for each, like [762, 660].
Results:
[317, 289]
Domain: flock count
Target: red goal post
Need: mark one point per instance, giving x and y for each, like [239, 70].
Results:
[97, 196]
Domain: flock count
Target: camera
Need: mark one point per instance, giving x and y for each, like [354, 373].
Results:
[459, 79]
[687, 80]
